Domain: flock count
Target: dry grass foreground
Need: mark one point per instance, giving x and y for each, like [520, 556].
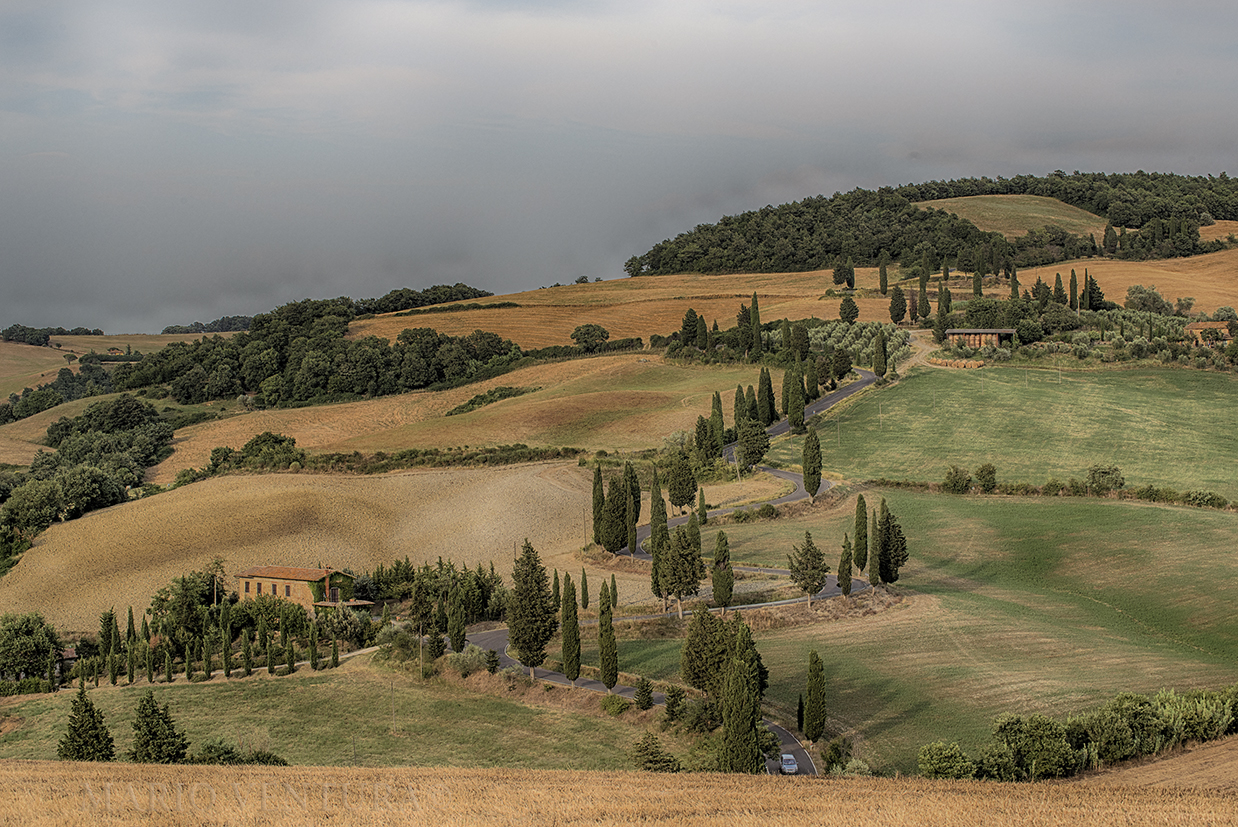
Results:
[121, 556]
[46, 793]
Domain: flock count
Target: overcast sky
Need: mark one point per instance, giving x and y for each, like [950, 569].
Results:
[163, 162]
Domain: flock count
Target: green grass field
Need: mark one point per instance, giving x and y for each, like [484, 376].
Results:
[329, 717]
[1020, 605]
[1169, 428]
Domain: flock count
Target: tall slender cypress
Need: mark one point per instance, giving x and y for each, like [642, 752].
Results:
[584, 588]
[614, 593]
[554, 590]
[659, 536]
[1074, 290]
[599, 504]
[844, 568]
[247, 654]
[608, 652]
[570, 623]
[977, 284]
[741, 709]
[313, 647]
[741, 406]
[860, 557]
[716, 426]
[755, 316]
[814, 700]
[723, 579]
[811, 462]
[883, 262]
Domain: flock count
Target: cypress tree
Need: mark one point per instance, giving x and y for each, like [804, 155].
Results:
[944, 300]
[1085, 298]
[290, 656]
[808, 567]
[701, 510]
[898, 305]
[717, 427]
[1014, 284]
[883, 262]
[615, 517]
[755, 315]
[145, 629]
[814, 702]
[977, 284]
[130, 632]
[741, 405]
[795, 398]
[554, 594]
[247, 655]
[207, 648]
[132, 655]
[893, 545]
[766, 413]
[659, 535]
[599, 504]
[741, 710]
[702, 660]
[88, 738]
[799, 714]
[844, 568]
[754, 410]
[644, 694]
[913, 307]
[584, 588]
[264, 635]
[113, 667]
[335, 652]
[313, 647]
[531, 617]
[1059, 292]
[847, 310]
[633, 485]
[167, 667]
[630, 534]
[614, 593]
[1074, 290]
[811, 462]
[570, 623]
[812, 383]
[682, 567]
[924, 308]
[701, 339]
[723, 579]
[156, 739]
[860, 555]
[879, 353]
[608, 652]
[150, 664]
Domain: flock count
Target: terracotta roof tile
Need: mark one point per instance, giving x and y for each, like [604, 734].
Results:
[285, 573]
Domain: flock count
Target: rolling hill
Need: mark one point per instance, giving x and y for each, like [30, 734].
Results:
[1015, 215]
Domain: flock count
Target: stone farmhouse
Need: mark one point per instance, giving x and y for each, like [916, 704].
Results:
[315, 589]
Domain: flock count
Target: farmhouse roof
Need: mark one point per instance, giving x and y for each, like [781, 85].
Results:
[288, 573]
[1207, 325]
[980, 330]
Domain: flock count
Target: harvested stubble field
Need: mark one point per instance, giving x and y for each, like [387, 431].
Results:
[1013, 605]
[50, 793]
[27, 366]
[1211, 766]
[639, 306]
[621, 402]
[121, 555]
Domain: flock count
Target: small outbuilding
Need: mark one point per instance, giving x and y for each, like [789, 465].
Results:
[979, 337]
[1219, 334]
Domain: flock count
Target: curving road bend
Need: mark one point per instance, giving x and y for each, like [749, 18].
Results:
[497, 639]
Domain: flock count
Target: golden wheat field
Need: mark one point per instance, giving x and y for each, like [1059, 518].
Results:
[51, 793]
[121, 556]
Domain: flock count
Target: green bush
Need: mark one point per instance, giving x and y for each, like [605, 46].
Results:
[942, 760]
[986, 478]
[616, 704]
[767, 512]
[957, 481]
[471, 660]
[1204, 499]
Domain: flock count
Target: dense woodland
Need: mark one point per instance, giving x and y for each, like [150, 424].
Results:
[1151, 215]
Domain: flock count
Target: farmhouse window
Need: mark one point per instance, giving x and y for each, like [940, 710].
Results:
[259, 588]
[247, 587]
[287, 591]
[335, 595]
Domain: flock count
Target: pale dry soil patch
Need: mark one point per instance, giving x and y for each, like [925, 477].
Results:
[122, 555]
[45, 793]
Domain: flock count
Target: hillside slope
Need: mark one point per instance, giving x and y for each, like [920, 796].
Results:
[1015, 215]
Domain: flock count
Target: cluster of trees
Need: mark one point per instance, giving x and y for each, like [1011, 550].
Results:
[438, 594]
[40, 335]
[1035, 747]
[879, 545]
[224, 324]
[91, 379]
[870, 227]
[156, 738]
[616, 512]
[720, 659]
[99, 454]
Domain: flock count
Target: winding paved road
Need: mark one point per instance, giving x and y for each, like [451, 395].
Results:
[496, 639]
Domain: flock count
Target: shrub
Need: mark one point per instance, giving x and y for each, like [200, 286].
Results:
[649, 756]
[957, 481]
[700, 716]
[492, 661]
[1105, 478]
[674, 703]
[644, 694]
[471, 660]
[942, 760]
[986, 478]
[1074, 488]
[767, 512]
[616, 704]
[1052, 488]
[1038, 745]
[837, 754]
[1204, 499]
